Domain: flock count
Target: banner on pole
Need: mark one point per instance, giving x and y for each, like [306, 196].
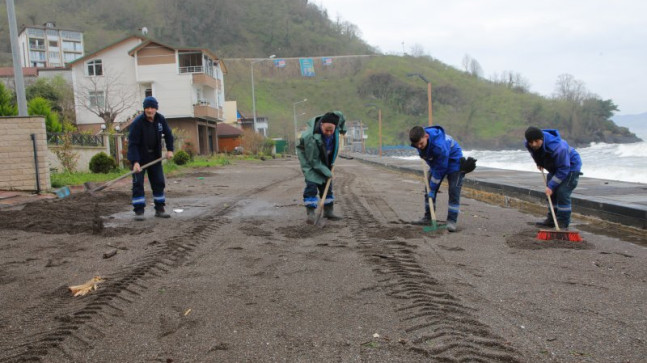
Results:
[307, 67]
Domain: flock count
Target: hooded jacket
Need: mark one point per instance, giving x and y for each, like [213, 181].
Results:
[442, 154]
[137, 152]
[311, 150]
[555, 156]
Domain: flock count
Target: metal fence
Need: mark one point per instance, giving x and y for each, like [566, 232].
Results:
[57, 138]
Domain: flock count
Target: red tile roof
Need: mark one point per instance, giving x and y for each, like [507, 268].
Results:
[228, 130]
[26, 71]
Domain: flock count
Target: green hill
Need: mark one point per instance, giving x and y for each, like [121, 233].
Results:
[478, 112]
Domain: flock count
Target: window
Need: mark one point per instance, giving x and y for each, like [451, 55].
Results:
[53, 43]
[95, 68]
[37, 56]
[148, 92]
[97, 99]
[71, 35]
[72, 46]
[36, 44]
[36, 32]
[70, 56]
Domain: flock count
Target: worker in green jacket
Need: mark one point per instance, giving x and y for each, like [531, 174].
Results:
[317, 150]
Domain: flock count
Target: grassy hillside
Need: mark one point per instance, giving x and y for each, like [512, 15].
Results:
[231, 28]
[477, 112]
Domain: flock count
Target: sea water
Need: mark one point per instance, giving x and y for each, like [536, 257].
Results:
[623, 162]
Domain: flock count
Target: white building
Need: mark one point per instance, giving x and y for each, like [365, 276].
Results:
[47, 46]
[187, 82]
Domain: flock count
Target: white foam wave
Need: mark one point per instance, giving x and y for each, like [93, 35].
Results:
[623, 162]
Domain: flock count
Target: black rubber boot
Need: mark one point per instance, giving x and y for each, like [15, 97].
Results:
[139, 215]
[329, 212]
[160, 213]
[548, 222]
[424, 221]
[311, 215]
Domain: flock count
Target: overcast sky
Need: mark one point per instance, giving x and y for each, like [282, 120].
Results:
[602, 43]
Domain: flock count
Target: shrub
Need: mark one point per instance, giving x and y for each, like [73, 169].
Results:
[102, 163]
[189, 149]
[181, 157]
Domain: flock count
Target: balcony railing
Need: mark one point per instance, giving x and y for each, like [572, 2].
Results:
[57, 138]
[191, 69]
[204, 79]
[207, 112]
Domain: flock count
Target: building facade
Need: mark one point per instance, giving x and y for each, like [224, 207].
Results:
[47, 46]
[187, 82]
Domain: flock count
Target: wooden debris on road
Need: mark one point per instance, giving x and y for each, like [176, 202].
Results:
[83, 289]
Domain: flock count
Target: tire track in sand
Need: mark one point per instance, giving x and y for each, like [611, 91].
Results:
[440, 326]
[76, 323]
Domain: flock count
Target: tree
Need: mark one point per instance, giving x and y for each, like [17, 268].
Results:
[56, 90]
[107, 97]
[8, 105]
[567, 88]
[41, 107]
[512, 80]
[472, 66]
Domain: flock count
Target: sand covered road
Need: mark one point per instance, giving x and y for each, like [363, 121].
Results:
[236, 275]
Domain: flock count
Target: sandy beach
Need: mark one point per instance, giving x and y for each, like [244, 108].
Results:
[236, 275]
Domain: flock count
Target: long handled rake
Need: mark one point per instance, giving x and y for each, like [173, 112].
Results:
[557, 234]
[321, 222]
[89, 188]
[434, 224]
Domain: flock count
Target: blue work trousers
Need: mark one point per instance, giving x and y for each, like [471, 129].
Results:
[561, 199]
[455, 183]
[313, 192]
[156, 178]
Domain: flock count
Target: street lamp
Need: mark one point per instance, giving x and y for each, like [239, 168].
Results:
[294, 112]
[379, 127]
[428, 92]
[253, 96]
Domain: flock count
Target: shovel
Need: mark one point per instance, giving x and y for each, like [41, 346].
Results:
[88, 186]
[434, 225]
[321, 222]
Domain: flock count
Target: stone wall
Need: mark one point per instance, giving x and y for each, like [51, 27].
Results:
[18, 169]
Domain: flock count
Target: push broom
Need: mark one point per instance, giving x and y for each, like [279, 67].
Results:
[557, 234]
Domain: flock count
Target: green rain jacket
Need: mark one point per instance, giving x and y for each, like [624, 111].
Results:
[312, 150]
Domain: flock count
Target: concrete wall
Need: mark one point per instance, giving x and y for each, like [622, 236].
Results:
[18, 170]
[85, 153]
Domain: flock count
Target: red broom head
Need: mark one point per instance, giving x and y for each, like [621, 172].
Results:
[559, 235]
[543, 235]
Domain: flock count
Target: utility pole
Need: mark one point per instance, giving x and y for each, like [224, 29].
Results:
[428, 93]
[17, 67]
[379, 132]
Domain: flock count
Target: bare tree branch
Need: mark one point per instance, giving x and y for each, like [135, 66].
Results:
[107, 96]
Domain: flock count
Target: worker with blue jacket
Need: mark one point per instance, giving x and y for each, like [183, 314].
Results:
[145, 145]
[563, 164]
[443, 155]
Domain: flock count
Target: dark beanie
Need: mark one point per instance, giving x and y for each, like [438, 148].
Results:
[533, 133]
[150, 101]
[330, 118]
